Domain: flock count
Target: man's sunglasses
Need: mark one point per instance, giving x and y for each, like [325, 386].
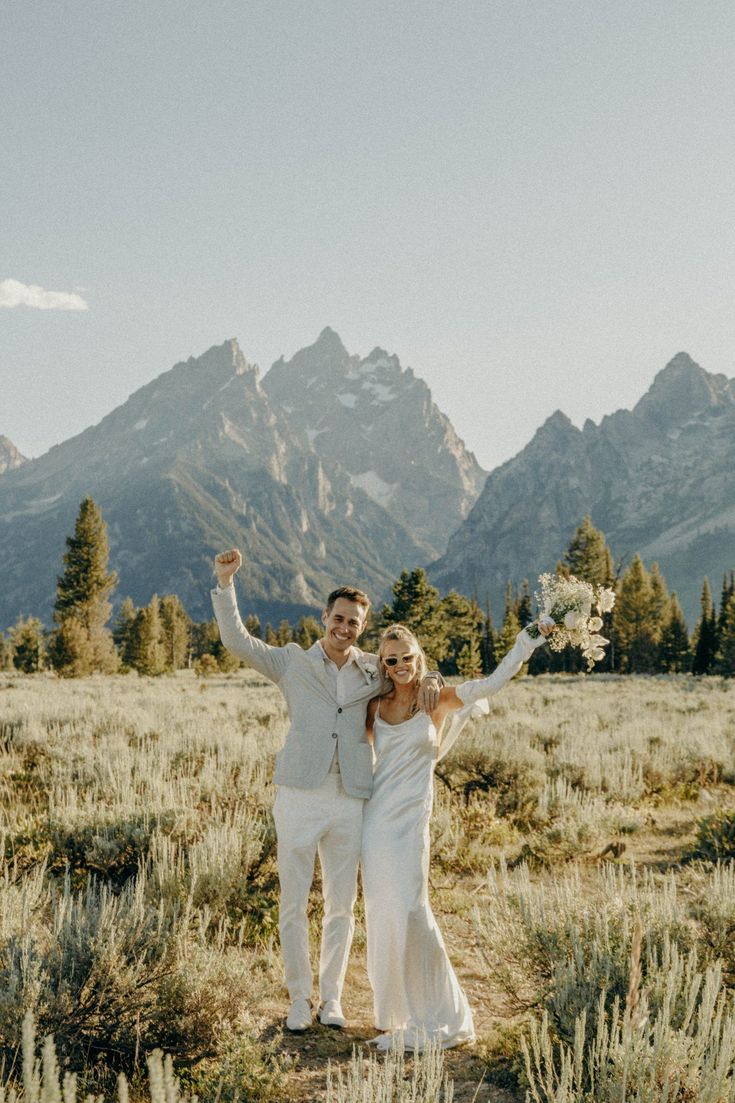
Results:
[392, 660]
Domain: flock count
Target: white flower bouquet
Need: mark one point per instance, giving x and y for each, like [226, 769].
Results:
[569, 602]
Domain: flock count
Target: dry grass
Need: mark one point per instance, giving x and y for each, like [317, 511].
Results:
[159, 790]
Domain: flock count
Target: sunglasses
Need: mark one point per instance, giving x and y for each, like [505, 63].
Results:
[393, 660]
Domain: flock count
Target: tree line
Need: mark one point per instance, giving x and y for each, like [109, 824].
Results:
[647, 630]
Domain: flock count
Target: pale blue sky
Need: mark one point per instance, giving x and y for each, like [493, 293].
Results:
[531, 204]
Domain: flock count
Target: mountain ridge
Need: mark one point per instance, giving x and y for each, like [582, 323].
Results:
[197, 459]
[654, 479]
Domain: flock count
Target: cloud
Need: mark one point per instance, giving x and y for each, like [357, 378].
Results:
[14, 293]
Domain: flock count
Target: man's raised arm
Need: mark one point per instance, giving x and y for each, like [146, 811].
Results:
[270, 661]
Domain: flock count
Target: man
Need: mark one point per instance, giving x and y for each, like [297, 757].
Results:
[324, 775]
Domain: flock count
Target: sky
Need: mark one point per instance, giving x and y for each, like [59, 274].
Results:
[530, 203]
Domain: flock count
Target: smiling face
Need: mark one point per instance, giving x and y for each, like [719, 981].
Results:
[400, 660]
[343, 624]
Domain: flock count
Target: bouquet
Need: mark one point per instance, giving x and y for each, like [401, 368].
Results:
[569, 602]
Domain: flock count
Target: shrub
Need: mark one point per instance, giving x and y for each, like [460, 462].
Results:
[113, 975]
[42, 1081]
[376, 1081]
[715, 840]
[680, 1052]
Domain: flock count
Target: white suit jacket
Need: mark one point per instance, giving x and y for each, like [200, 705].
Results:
[318, 720]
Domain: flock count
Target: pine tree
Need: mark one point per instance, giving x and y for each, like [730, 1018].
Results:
[270, 636]
[416, 604]
[308, 631]
[704, 641]
[487, 647]
[674, 652]
[146, 648]
[469, 660]
[284, 634]
[524, 605]
[207, 644]
[725, 659]
[464, 627]
[728, 589]
[659, 600]
[28, 645]
[252, 625]
[511, 625]
[175, 633]
[82, 594]
[6, 652]
[589, 559]
[588, 556]
[122, 629]
[636, 634]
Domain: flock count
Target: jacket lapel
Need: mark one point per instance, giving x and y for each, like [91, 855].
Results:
[315, 655]
[368, 667]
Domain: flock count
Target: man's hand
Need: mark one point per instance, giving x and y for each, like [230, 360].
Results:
[429, 691]
[226, 566]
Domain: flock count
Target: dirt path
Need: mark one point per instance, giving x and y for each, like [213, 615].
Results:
[312, 1052]
[668, 834]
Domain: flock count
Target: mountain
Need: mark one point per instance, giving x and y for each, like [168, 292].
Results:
[378, 421]
[10, 457]
[657, 479]
[198, 460]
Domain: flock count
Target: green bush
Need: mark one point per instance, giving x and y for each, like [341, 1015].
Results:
[680, 1051]
[715, 840]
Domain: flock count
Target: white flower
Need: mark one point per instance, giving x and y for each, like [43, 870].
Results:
[598, 654]
[598, 641]
[605, 599]
[595, 624]
[571, 620]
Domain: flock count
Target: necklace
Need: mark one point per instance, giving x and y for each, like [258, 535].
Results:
[407, 713]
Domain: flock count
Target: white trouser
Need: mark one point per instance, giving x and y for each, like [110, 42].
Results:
[329, 821]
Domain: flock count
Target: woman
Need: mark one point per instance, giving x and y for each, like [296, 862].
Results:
[416, 993]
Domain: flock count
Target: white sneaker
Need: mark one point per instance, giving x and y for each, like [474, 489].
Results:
[299, 1017]
[331, 1014]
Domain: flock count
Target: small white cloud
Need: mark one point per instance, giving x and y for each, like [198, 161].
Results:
[14, 293]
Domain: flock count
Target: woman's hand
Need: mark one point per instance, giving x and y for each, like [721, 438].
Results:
[226, 566]
[546, 625]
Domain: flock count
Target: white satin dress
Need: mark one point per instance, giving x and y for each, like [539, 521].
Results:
[416, 992]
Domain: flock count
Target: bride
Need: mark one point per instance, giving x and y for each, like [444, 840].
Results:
[417, 996]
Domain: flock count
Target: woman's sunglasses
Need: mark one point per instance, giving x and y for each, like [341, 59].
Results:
[393, 660]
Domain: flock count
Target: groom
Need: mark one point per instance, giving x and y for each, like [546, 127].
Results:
[323, 774]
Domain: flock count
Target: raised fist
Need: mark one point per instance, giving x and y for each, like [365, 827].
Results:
[226, 566]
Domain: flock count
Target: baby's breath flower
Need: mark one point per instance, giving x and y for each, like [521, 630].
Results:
[569, 601]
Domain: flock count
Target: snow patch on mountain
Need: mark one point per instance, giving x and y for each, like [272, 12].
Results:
[376, 488]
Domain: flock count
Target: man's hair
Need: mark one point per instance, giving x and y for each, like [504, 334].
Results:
[351, 594]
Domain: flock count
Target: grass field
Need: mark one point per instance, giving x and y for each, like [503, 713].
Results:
[575, 843]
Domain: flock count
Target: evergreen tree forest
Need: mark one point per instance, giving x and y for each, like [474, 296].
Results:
[647, 630]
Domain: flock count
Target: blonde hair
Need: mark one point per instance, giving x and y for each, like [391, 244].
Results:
[400, 632]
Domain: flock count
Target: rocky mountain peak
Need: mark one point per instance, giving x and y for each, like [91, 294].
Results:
[379, 423]
[329, 341]
[557, 429]
[681, 391]
[326, 360]
[10, 457]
